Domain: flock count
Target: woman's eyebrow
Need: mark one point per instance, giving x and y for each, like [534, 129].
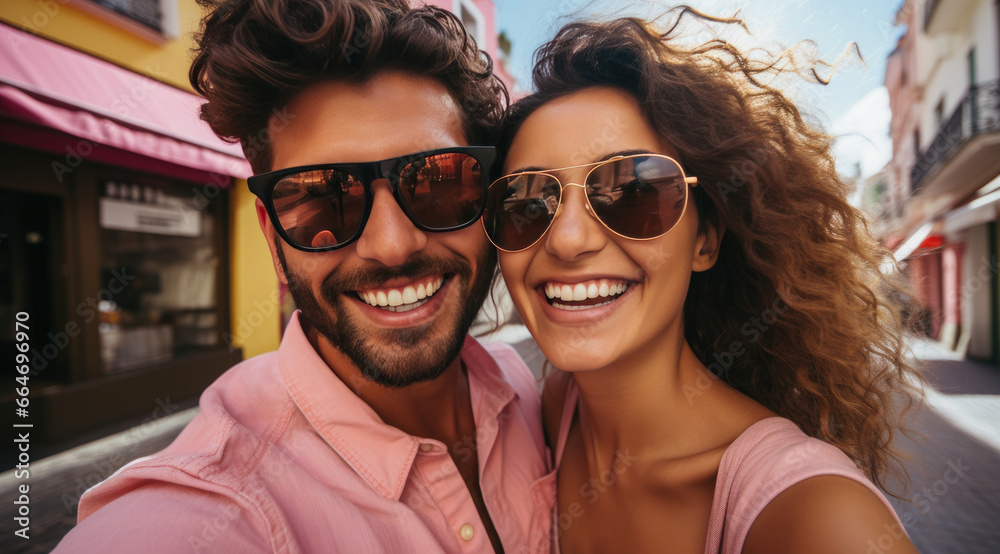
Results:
[528, 168]
[623, 153]
[620, 153]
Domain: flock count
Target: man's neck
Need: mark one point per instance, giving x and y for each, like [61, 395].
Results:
[433, 409]
[439, 409]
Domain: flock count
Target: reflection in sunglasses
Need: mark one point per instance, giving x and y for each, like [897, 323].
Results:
[638, 197]
[325, 206]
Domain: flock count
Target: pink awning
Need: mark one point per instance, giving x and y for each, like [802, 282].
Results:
[49, 85]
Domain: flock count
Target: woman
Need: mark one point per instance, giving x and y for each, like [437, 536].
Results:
[676, 239]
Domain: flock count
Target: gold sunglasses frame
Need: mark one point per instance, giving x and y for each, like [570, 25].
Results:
[691, 181]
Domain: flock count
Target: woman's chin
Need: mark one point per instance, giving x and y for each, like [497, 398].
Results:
[575, 362]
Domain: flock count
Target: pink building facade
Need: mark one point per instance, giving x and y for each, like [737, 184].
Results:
[480, 19]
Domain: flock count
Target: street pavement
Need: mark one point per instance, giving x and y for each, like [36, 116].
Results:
[954, 463]
[954, 466]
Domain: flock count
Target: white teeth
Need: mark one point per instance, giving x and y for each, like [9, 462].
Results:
[582, 291]
[567, 292]
[575, 308]
[397, 300]
[409, 295]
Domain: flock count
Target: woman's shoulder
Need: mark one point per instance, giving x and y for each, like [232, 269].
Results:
[774, 471]
[778, 443]
[827, 514]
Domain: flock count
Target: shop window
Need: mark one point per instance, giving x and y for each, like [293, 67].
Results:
[147, 12]
[160, 259]
[32, 280]
[154, 20]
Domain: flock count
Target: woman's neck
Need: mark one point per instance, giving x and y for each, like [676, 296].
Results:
[663, 405]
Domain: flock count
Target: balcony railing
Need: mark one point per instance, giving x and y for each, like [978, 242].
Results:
[978, 114]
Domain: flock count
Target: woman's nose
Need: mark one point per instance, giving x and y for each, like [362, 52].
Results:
[575, 230]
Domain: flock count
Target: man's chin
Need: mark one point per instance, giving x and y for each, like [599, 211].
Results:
[406, 356]
[392, 358]
[395, 358]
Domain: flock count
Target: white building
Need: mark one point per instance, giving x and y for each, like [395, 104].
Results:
[944, 86]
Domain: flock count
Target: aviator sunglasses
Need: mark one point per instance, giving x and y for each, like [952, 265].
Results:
[323, 207]
[640, 196]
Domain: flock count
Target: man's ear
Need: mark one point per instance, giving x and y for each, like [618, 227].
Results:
[706, 247]
[271, 238]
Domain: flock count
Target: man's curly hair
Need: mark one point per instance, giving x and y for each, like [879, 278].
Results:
[254, 56]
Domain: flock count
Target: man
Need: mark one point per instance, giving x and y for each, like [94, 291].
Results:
[378, 425]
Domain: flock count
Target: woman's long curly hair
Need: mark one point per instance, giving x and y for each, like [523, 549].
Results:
[799, 282]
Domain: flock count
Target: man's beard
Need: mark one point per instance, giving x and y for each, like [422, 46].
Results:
[393, 358]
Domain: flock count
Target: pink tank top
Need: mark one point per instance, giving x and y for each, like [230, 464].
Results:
[770, 456]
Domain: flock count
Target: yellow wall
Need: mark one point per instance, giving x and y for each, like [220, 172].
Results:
[254, 309]
[63, 22]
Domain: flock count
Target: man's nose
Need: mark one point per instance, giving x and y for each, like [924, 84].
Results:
[389, 236]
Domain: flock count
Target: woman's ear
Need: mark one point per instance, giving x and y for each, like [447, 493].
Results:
[706, 246]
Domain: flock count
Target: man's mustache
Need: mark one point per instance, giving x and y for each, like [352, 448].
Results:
[343, 280]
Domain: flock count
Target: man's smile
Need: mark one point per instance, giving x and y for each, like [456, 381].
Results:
[403, 298]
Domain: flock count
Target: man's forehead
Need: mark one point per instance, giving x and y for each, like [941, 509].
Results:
[391, 114]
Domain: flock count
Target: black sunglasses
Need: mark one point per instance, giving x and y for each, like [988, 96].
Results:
[323, 207]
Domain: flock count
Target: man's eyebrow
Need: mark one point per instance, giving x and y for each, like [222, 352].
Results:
[608, 156]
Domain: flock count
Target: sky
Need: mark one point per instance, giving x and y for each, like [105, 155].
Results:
[854, 106]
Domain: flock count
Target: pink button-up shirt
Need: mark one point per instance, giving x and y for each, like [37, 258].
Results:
[285, 458]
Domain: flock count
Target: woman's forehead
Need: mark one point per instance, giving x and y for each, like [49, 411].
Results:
[581, 128]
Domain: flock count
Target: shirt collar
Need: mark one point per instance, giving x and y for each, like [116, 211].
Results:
[379, 453]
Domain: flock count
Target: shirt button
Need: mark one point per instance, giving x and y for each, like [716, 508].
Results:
[466, 532]
[426, 447]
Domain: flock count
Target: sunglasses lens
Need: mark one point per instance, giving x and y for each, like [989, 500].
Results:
[443, 191]
[638, 196]
[519, 209]
[320, 207]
